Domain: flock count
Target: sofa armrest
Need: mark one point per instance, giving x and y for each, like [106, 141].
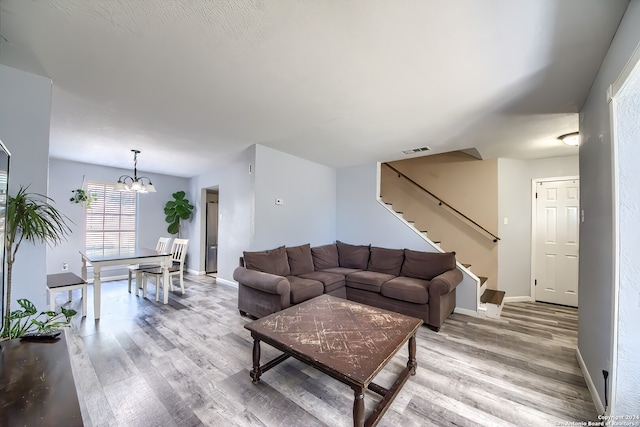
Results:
[265, 282]
[445, 282]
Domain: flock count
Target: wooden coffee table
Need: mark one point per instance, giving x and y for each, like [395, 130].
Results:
[349, 341]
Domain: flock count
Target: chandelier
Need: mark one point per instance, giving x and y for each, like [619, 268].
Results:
[135, 183]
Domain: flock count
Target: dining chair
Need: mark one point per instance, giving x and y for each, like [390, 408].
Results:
[161, 246]
[178, 255]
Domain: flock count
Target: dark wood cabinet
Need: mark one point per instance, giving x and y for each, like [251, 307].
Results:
[36, 384]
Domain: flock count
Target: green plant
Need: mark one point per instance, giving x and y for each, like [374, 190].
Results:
[22, 322]
[177, 209]
[82, 196]
[30, 217]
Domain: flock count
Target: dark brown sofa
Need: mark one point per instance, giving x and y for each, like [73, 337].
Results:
[419, 284]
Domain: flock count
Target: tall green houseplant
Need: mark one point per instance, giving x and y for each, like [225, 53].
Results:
[177, 209]
[30, 217]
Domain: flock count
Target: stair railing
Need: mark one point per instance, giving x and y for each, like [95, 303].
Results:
[445, 204]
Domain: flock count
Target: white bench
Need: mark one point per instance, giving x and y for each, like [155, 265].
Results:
[66, 282]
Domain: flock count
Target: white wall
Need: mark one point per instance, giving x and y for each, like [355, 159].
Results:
[361, 219]
[308, 192]
[514, 203]
[249, 219]
[627, 368]
[25, 111]
[596, 193]
[235, 214]
[65, 176]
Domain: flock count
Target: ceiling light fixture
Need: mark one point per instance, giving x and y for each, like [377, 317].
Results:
[135, 183]
[572, 139]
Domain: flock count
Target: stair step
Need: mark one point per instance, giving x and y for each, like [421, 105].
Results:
[491, 303]
[491, 296]
[483, 284]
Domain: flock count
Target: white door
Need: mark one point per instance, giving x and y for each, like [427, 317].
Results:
[556, 249]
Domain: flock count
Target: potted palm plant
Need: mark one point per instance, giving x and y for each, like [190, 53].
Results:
[30, 217]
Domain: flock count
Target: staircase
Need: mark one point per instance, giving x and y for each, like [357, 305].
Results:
[489, 301]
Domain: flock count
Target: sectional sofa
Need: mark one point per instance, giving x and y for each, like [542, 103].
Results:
[415, 283]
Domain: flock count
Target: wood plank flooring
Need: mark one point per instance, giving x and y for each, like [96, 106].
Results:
[187, 364]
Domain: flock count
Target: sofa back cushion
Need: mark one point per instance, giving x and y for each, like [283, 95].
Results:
[352, 256]
[387, 261]
[427, 265]
[273, 261]
[325, 256]
[300, 260]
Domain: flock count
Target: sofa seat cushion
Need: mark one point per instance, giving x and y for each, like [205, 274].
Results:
[367, 280]
[304, 289]
[407, 289]
[341, 270]
[331, 281]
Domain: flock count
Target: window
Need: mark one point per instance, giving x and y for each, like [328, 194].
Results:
[111, 219]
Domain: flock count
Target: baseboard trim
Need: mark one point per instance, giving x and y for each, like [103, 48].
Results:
[590, 384]
[227, 282]
[196, 272]
[518, 299]
[466, 312]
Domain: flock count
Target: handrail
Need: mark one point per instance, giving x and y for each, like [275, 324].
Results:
[442, 202]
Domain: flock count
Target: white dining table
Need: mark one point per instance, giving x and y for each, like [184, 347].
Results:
[109, 257]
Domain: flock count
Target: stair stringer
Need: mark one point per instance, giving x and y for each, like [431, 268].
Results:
[469, 289]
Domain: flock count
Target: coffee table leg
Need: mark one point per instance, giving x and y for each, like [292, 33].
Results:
[255, 372]
[412, 355]
[358, 406]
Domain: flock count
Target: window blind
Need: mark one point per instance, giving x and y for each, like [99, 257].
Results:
[111, 219]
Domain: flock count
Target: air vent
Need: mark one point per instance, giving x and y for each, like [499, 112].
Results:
[416, 150]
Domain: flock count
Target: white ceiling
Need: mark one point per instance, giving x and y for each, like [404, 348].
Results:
[192, 83]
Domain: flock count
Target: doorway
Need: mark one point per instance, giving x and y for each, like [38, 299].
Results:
[211, 237]
[556, 222]
[625, 344]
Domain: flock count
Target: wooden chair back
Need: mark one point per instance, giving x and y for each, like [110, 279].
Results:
[163, 244]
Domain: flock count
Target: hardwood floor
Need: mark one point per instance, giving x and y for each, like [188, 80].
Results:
[187, 364]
